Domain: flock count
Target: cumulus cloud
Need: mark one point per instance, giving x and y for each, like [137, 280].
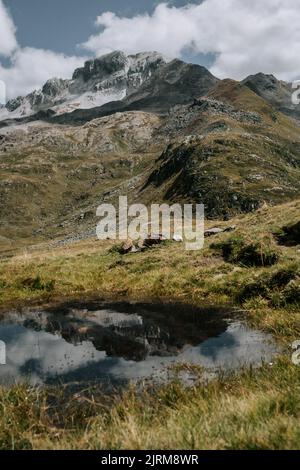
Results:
[245, 37]
[29, 68]
[242, 37]
[8, 40]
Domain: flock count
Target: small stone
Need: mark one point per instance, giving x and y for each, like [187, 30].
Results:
[213, 231]
[177, 238]
[231, 228]
[154, 239]
[126, 247]
[216, 230]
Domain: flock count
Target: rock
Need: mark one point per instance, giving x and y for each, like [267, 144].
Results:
[216, 230]
[213, 231]
[126, 247]
[140, 244]
[177, 238]
[154, 239]
[231, 228]
[135, 249]
[54, 87]
[158, 236]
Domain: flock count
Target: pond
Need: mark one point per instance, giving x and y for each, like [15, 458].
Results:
[116, 343]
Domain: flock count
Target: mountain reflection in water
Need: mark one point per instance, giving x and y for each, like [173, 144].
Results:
[119, 343]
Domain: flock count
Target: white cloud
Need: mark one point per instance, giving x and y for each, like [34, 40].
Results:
[246, 37]
[8, 40]
[31, 68]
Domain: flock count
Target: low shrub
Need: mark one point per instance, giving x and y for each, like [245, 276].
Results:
[291, 293]
[285, 282]
[247, 253]
[289, 235]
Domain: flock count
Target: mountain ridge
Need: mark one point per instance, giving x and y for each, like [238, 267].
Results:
[181, 136]
[117, 82]
[100, 80]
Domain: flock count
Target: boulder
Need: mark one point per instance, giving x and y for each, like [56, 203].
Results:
[177, 238]
[216, 230]
[126, 247]
[154, 239]
[213, 231]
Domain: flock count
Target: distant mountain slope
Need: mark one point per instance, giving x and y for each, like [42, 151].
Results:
[276, 92]
[178, 135]
[113, 83]
[108, 78]
[231, 158]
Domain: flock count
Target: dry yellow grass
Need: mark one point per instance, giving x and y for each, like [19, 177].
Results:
[251, 410]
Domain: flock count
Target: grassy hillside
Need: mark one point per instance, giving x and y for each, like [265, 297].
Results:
[256, 268]
[52, 178]
[233, 152]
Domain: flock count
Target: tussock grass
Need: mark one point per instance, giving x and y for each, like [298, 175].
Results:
[248, 253]
[254, 409]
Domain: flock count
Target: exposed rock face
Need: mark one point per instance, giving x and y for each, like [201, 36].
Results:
[232, 161]
[115, 83]
[117, 70]
[55, 87]
[182, 116]
[277, 92]
[107, 78]
[174, 133]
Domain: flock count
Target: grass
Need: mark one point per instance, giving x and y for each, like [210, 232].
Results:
[50, 174]
[252, 409]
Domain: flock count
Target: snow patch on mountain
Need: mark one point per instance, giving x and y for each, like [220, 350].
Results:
[111, 77]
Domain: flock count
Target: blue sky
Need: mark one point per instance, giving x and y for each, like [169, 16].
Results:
[40, 39]
[60, 25]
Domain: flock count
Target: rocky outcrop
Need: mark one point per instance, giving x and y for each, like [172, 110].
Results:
[277, 92]
[108, 78]
[182, 116]
[114, 83]
[214, 169]
[174, 133]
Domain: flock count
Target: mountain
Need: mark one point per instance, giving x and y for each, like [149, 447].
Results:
[231, 159]
[174, 83]
[113, 83]
[178, 135]
[108, 78]
[276, 92]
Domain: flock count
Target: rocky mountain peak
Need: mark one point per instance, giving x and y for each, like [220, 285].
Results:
[118, 63]
[54, 86]
[102, 67]
[277, 92]
[105, 79]
[262, 82]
